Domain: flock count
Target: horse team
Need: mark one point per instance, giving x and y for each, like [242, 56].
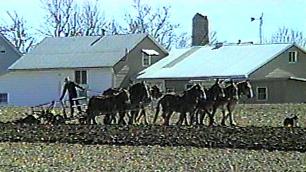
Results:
[128, 106]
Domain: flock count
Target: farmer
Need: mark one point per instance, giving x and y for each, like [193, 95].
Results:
[72, 92]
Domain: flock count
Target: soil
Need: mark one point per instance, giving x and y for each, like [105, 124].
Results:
[270, 138]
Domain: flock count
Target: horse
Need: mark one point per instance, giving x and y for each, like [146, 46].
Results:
[117, 103]
[227, 103]
[207, 106]
[110, 117]
[179, 103]
[232, 94]
[139, 97]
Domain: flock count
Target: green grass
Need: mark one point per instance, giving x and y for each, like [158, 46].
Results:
[67, 157]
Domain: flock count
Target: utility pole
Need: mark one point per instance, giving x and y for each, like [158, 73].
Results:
[260, 26]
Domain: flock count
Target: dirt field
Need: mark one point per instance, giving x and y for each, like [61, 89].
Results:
[77, 157]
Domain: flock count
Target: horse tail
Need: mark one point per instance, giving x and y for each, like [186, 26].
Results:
[157, 111]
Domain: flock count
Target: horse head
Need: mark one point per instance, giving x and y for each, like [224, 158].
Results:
[231, 91]
[245, 88]
[195, 92]
[216, 91]
[155, 92]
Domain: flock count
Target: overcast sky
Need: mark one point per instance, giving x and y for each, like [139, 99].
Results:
[229, 18]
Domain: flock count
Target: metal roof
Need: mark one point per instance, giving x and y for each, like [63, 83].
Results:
[78, 52]
[234, 61]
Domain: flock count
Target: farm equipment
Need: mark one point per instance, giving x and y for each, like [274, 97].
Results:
[55, 112]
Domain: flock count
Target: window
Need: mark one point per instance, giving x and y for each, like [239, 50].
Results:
[81, 76]
[2, 49]
[262, 93]
[3, 98]
[292, 56]
[146, 60]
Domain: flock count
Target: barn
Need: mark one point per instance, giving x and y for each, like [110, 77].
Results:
[277, 71]
[95, 62]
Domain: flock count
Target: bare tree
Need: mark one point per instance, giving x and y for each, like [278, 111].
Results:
[18, 33]
[67, 18]
[92, 22]
[154, 22]
[286, 35]
[60, 13]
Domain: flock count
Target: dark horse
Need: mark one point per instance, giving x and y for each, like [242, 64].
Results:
[207, 106]
[108, 104]
[179, 103]
[232, 94]
[140, 97]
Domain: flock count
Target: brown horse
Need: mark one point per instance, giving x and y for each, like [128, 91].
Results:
[139, 97]
[206, 106]
[112, 104]
[183, 104]
[228, 103]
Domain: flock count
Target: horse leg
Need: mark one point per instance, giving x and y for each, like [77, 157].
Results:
[224, 117]
[181, 118]
[230, 109]
[202, 116]
[121, 118]
[131, 118]
[194, 117]
[211, 116]
[144, 116]
[167, 117]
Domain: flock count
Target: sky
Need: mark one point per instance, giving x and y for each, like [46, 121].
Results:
[229, 18]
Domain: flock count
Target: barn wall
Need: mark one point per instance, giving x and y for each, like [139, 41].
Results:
[8, 55]
[282, 62]
[134, 60]
[28, 88]
[279, 91]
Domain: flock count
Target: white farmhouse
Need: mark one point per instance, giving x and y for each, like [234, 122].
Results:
[95, 62]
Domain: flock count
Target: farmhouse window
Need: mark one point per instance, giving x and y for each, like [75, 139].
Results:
[3, 98]
[81, 76]
[292, 56]
[146, 60]
[262, 93]
[2, 49]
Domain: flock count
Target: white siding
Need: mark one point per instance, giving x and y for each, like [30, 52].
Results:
[99, 80]
[28, 88]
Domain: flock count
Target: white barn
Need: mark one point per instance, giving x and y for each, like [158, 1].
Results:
[94, 62]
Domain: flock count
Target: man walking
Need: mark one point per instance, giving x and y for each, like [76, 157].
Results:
[71, 86]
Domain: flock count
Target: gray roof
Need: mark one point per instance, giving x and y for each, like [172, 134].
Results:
[234, 61]
[79, 52]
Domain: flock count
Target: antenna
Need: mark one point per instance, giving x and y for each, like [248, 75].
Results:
[260, 26]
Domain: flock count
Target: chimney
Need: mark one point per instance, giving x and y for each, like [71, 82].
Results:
[200, 30]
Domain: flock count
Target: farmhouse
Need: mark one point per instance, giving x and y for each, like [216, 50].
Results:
[95, 62]
[277, 71]
[8, 55]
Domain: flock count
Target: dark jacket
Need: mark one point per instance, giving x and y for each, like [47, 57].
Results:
[71, 87]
